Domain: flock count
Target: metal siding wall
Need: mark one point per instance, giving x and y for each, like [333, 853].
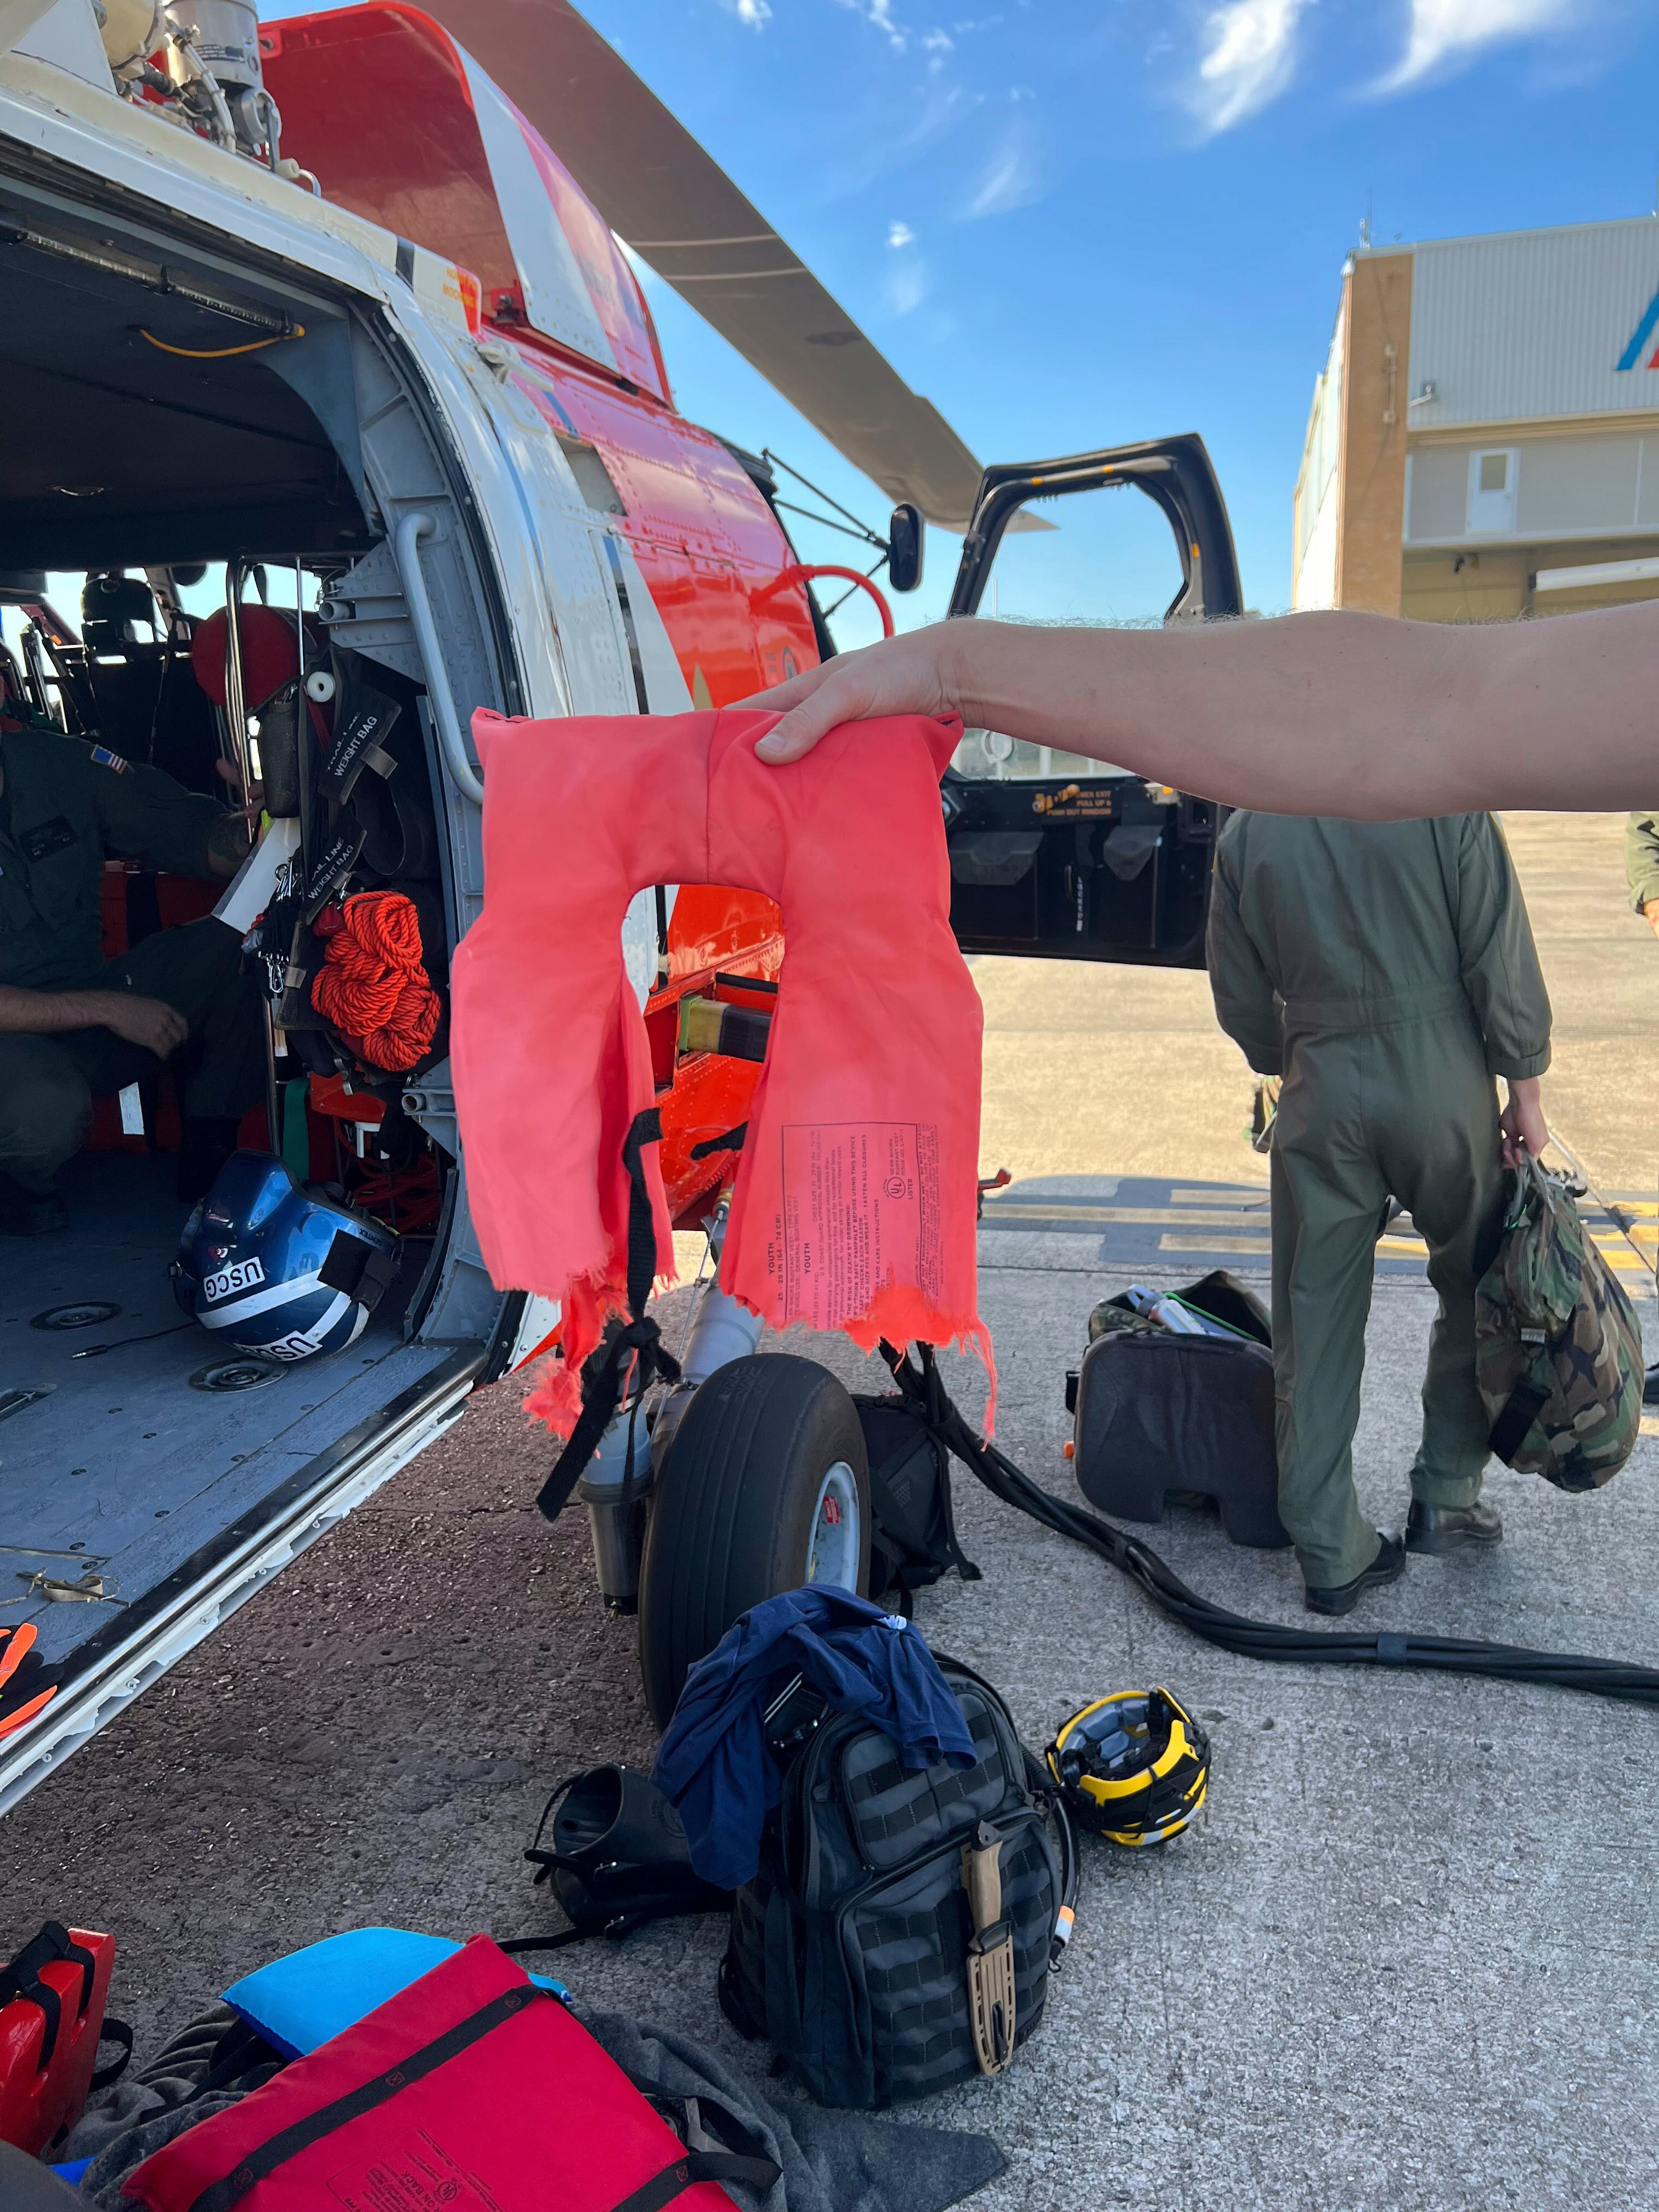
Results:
[1532, 325]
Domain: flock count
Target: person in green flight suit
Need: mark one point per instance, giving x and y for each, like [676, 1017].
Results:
[74, 1027]
[1642, 865]
[1387, 971]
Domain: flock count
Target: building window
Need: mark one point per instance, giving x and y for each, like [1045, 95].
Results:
[1492, 491]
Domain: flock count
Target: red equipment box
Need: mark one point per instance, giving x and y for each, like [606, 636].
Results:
[51, 2018]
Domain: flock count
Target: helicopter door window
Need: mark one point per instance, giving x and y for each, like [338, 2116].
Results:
[1104, 558]
[1054, 853]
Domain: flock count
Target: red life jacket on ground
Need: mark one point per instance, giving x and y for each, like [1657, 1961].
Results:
[855, 1202]
[471, 2090]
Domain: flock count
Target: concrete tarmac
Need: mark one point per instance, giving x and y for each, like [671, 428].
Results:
[1408, 1958]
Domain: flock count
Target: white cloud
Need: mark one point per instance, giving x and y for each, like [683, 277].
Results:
[900, 234]
[1249, 57]
[1010, 179]
[755, 13]
[1449, 30]
[879, 14]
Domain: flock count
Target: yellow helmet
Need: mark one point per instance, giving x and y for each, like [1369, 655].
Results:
[1133, 1767]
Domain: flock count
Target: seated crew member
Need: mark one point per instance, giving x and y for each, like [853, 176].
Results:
[74, 1027]
[1387, 971]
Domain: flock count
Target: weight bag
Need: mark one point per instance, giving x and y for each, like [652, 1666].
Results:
[857, 1951]
[471, 2089]
[52, 2020]
[914, 1541]
[1158, 1413]
[619, 1856]
[1558, 1348]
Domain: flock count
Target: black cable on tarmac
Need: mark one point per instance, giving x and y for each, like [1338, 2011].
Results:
[1251, 1639]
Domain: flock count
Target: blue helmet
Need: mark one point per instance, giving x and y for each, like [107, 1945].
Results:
[272, 1270]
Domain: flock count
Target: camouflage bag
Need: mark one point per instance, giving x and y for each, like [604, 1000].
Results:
[1558, 1346]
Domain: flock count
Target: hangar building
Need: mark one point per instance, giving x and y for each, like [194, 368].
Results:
[1484, 440]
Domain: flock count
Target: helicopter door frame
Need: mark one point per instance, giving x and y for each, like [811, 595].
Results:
[1072, 861]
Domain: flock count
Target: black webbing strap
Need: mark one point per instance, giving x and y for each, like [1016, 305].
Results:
[20, 1978]
[636, 1343]
[117, 2031]
[1520, 1409]
[925, 1393]
[732, 1141]
[697, 2166]
[257, 2164]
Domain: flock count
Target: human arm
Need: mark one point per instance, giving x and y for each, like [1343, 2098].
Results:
[1337, 713]
[152, 1023]
[1497, 959]
[1641, 864]
[1521, 1125]
[147, 817]
[1246, 1004]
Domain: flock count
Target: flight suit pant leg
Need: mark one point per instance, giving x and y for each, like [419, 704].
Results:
[45, 1107]
[198, 969]
[1446, 1169]
[1327, 1198]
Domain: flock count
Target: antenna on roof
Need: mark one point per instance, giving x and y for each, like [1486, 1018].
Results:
[1366, 227]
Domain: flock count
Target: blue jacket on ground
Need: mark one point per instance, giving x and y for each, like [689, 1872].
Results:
[713, 1764]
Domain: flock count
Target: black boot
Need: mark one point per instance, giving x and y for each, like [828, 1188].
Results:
[1448, 1528]
[30, 1212]
[1387, 1567]
[206, 1141]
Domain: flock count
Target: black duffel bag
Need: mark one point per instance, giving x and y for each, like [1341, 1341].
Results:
[1161, 1416]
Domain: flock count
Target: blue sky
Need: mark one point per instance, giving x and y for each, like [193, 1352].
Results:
[1079, 223]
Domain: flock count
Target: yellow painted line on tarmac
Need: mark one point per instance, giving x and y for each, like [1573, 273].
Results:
[1223, 1243]
[1249, 1197]
[1131, 1217]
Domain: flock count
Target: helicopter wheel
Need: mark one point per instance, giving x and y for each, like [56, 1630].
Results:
[765, 1487]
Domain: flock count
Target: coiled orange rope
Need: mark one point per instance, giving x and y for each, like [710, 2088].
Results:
[373, 986]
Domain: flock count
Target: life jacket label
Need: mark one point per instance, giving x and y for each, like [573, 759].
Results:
[420, 2176]
[860, 1210]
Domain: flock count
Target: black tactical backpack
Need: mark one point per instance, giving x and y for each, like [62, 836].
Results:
[854, 1951]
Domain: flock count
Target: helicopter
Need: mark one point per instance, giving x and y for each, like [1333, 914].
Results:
[311, 316]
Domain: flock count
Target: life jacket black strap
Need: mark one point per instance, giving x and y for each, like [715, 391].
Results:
[731, 1141]
[636, 1344]
[258, 2166]
[695, 2165]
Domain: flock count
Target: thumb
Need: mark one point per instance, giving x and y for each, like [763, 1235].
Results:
[797, 731]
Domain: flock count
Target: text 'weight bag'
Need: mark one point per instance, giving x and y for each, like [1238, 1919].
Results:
[899, 1918]
[1558, 1346]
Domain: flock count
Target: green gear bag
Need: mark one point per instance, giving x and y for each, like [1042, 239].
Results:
[1558, 1346]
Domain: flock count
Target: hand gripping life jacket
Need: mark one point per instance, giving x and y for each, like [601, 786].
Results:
[473, 2090]
[854, 1205]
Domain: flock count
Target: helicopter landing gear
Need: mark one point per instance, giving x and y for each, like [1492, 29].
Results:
[764, 1487]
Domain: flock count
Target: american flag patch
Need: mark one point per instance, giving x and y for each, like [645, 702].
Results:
[106, 758]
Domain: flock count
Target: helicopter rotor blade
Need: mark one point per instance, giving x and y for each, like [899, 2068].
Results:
[674, 204]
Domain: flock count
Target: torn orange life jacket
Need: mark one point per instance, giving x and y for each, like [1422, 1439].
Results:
[855, 1202]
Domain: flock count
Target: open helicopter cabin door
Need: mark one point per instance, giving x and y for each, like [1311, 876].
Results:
[1052, 854]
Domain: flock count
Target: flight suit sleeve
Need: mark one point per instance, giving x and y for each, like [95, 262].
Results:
[1642, 857]
[143, 815]
[1246, 1004]
[1497, 957]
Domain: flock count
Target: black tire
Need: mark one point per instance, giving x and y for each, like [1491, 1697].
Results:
[732, 1513]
